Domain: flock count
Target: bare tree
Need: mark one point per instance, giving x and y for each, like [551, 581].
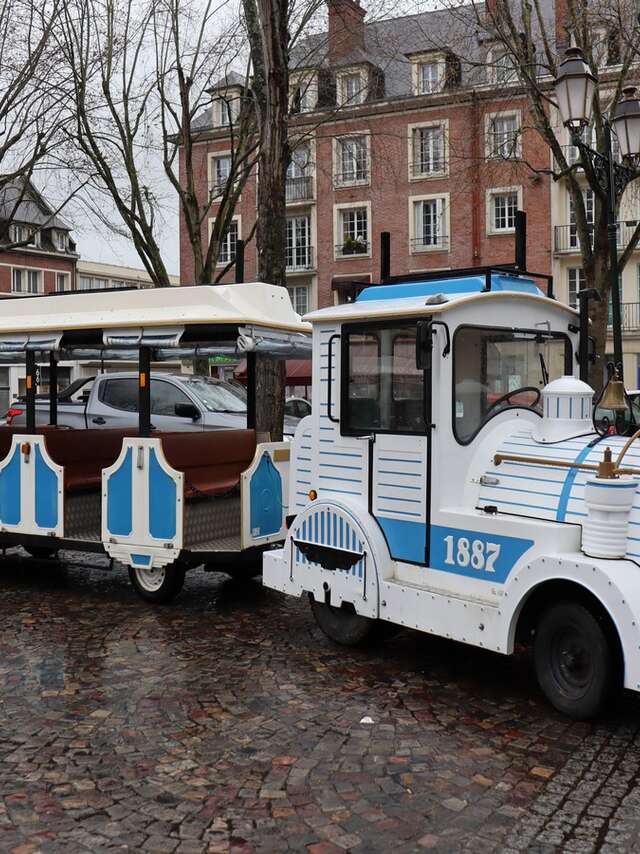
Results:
[140, 76]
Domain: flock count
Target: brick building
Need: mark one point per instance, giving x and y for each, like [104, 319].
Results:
[392, 134]
[46, 258]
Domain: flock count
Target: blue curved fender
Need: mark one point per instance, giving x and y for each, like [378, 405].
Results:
[266, 504]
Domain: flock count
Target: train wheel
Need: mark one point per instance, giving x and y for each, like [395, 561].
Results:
[343, 625]
[157, 584]
[576, 660]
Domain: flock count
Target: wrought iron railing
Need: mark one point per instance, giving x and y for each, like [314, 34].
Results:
[430, 241]
[299, 189]
[299, 258]
[352, 246]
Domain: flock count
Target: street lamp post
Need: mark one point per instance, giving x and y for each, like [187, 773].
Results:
[575, 87]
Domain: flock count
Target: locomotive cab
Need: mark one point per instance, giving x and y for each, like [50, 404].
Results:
[437, 483]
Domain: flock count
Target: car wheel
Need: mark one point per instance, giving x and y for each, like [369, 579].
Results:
[157, 584]
[576, 660]
[342, 625]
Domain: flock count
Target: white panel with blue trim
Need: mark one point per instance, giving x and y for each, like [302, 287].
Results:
[142, 506]
[31, 489]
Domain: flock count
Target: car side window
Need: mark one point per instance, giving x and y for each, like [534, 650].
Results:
[164, 397]
[120, 394]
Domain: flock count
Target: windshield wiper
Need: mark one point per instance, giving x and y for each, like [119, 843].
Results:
[543, 368]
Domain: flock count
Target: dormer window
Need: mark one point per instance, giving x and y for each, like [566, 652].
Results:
[504, 68]
[60, 240]
[429, 73]
[37, 238]
[226, 109]
[17, 233]
[353, 88]
[303, 93]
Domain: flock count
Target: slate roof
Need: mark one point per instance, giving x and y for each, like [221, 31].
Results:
[31, 209]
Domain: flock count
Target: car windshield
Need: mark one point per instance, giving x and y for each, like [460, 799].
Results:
[216, 396]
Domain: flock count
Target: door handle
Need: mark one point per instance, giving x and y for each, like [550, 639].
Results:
[99, 420]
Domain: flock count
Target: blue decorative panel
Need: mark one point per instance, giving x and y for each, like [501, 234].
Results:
[141, 560]
[487, 557]
[10, 490]
[265, 496]
[162, 501]
[406, 539]
[119, 498]
[46, 504]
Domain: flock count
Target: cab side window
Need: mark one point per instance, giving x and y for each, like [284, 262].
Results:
[120, 394]
[164, 397]
[382, 390]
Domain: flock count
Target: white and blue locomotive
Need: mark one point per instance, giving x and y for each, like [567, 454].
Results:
[450, 480]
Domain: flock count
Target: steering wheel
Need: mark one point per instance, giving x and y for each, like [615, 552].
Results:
[505, 397]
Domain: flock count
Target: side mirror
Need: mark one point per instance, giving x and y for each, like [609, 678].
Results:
[187, 410]
[424, 344]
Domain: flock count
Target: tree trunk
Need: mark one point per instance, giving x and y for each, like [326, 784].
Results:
[268, 37]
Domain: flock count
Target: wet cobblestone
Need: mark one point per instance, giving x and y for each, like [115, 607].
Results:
[226, 722]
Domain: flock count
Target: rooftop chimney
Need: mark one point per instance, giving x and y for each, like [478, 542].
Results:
[346, 28]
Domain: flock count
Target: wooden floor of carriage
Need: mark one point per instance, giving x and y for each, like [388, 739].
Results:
[227, 722]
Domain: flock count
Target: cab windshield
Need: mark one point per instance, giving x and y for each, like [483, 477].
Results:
[499, 368]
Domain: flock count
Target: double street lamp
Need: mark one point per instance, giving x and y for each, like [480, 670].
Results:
[575, 87]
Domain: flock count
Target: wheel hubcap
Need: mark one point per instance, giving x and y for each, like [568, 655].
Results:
[571, 662]
[150, 578]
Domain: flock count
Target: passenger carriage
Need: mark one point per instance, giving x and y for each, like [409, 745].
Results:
[160, 503]
[450, 479]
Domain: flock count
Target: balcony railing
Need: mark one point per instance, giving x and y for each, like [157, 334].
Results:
[352, 246]
[426, 168]
[630, 316]
[351, 177]
[565, 237]
[430, 243]
[299, 259]
[299, 189]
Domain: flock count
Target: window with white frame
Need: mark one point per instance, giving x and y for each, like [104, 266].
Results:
[298, 243]
[228, 244]
[220, 173]
[428, 78]
[503, 136]
[299, 184]
[428, 150]
[37, 238]
[300, 162]
[429, 224]
[60, 240]
[224, 111]
[62, 281]
[504, 67]
[589, 210]
[26, 281]
[575, 284]
[303, 94]
[502, 210]
[85, 283]
[352, 160]
[18, 233]
[299, 298]
[352, 88]
[353, 231]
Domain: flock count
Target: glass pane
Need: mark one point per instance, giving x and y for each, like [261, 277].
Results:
[497, 368]
[121, 394]
[164, 397]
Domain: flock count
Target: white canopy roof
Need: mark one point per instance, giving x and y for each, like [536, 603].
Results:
[252, 304]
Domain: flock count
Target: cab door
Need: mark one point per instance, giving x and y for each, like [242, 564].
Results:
[385, 397]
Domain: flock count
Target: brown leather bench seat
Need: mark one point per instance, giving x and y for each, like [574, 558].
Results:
[211, 461]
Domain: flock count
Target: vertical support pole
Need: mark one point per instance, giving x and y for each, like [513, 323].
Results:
[612, 234]
[144, 392]
[385, 256]
[239, 261]
[521, 241]
[31, 391]
[251, 391]
[53, 389]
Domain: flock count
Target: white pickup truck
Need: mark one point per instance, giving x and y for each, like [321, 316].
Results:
[178, 402]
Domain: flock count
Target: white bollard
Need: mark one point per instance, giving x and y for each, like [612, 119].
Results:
[609, 502]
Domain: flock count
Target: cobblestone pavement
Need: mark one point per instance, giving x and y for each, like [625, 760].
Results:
[227, 722]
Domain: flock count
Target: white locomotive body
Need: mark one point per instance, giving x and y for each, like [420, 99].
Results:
[402, 512]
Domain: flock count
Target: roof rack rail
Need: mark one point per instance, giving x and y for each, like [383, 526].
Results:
[487, 272]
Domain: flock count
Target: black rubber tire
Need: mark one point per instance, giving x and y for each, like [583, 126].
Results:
[576, 660]
[40, 552]
[171, 585]
[343, 625]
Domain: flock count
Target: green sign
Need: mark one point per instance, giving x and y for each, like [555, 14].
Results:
[223, 360]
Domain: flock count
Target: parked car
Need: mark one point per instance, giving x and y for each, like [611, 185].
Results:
[297, 407]
[178, 402]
